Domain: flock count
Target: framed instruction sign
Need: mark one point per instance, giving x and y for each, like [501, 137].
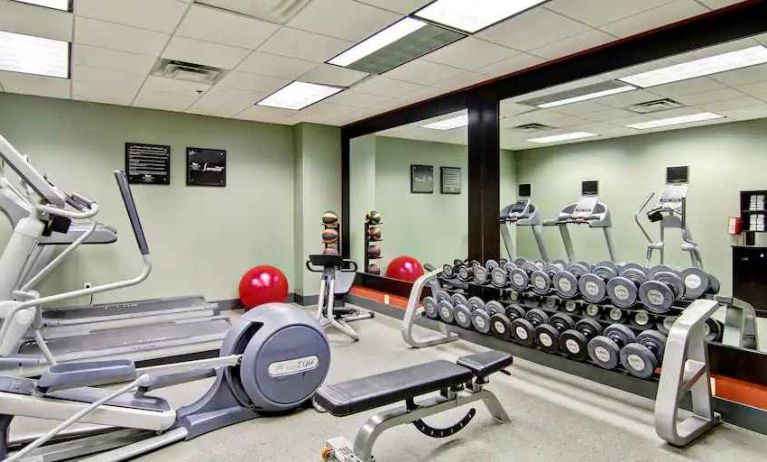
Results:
[205, 167]
[421, 179]
[147, 163]
[450, 180]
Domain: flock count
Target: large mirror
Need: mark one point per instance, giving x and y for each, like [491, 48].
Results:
[685, 133]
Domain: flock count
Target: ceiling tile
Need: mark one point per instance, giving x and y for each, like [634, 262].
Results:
[584, 107]
[599, 12]
[333, 75]
[251, 82]
[712, 96]
[574, 44]
[328, 113]
[345, 19]
[716, 4]
[199, 52]
[86, 55]
[761, 38]
[33, 20]
[460, 80]
[100, 76]
[747, 113]
[470, 54]
[608, 115]
[157, 15]
[513, 64]
[214, 25]
[629, 98]
[164, 100]
[743, 76]
[758, 90]
[423, 72]
[116, 37]
[37, 85]
[651, 19]
[732, 104]
[509, 108]
[687, 87]
[269, 115]
[398, 6]
[225, 102]
[383, 86]
[296, 43]
[103, 92]
[275, 66]
[532, 29]
[359, 100]
[180, 87]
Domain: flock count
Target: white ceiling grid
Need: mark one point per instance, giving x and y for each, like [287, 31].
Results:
[117, 42]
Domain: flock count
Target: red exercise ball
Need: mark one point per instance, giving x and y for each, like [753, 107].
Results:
[263, 284]
[404, 268]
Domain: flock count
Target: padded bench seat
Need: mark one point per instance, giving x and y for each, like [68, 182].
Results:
[359, 395]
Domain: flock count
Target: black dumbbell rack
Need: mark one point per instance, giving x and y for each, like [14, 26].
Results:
[369, 241]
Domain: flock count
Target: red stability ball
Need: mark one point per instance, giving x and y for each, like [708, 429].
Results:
[404, 268]
[263, 284]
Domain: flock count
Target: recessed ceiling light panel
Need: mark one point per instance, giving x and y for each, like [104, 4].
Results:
[34, 55]
[562, 137]
[62, 5]
[298, 95]
[597, 90]
[449, 124]
[472, 15]
[700, 67]
[391, 34]
[676, 120]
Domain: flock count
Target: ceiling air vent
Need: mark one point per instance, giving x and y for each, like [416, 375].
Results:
[655, 106]
[532, 127]
[277, 11]
[189, 72]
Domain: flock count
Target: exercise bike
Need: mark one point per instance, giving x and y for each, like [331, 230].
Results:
[337, 279]
[271, 361]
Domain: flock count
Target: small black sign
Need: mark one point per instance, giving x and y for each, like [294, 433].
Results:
[205, 167]
[147, 163]
[450, 180]
[421, 179]
[677, 175]
[590, 188]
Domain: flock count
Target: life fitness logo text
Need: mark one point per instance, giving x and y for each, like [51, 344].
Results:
[294, 366]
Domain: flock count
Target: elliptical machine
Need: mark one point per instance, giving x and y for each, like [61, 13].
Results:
[337, 278]
[273, 360]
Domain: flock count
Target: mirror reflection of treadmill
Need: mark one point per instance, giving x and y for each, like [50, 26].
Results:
[522, 213]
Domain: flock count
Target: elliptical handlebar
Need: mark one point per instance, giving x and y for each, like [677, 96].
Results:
[639, 212]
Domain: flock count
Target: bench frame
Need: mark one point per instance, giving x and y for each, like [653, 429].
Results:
[339, 449]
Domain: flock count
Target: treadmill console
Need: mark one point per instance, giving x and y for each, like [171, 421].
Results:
[584, 208]
[519, 210]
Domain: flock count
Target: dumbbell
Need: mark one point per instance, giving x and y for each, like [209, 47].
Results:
[523, 329]
[430, 307]
[574, 342]
[593, 310]
[593, 285]
[605, 349]
[482, 312]
[499, 276]
[541, 280]
[490, 264]
[623, 290]
[659, 292]
[461, 310]
[481, 275]
[698, 283]
[615, 314]
[500, 323]
[642, 357]
[466, 271]
[566, 281]
[547, 335]
[519, 277]
[641, 319]
[571, 307]
[451, 271]
[444, 306]
[714, 329]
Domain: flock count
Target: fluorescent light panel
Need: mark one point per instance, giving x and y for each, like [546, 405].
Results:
[34, 55]
[599, 94]
[449, 124]
[62, 5]
[562, 137]
[298, 95]
[374, 43]
[473, 15]
[676, 120]
[700, 67]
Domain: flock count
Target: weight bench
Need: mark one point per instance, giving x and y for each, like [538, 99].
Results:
[458, 384]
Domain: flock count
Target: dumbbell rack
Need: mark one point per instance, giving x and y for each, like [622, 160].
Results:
[368, 241]
[685, 349]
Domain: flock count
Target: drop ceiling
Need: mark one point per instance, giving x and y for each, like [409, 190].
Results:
[116, 44]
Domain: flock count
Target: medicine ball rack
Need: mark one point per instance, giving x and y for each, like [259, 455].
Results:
[686, 367]
[372, 237]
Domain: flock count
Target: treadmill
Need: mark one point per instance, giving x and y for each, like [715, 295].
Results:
[522, 213]
[587, 210]
[44, 217]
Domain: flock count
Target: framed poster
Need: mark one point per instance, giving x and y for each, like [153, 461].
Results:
[205, 167]
[147, 163]
[450, 180]
[421, 179]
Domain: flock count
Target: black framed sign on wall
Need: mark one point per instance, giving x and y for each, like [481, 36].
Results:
[450, 180]
[205, 167]
[147, 163]
[421, 179]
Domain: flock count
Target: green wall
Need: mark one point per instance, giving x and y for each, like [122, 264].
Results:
[362, 177]
[202, 239]
[724, 159]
